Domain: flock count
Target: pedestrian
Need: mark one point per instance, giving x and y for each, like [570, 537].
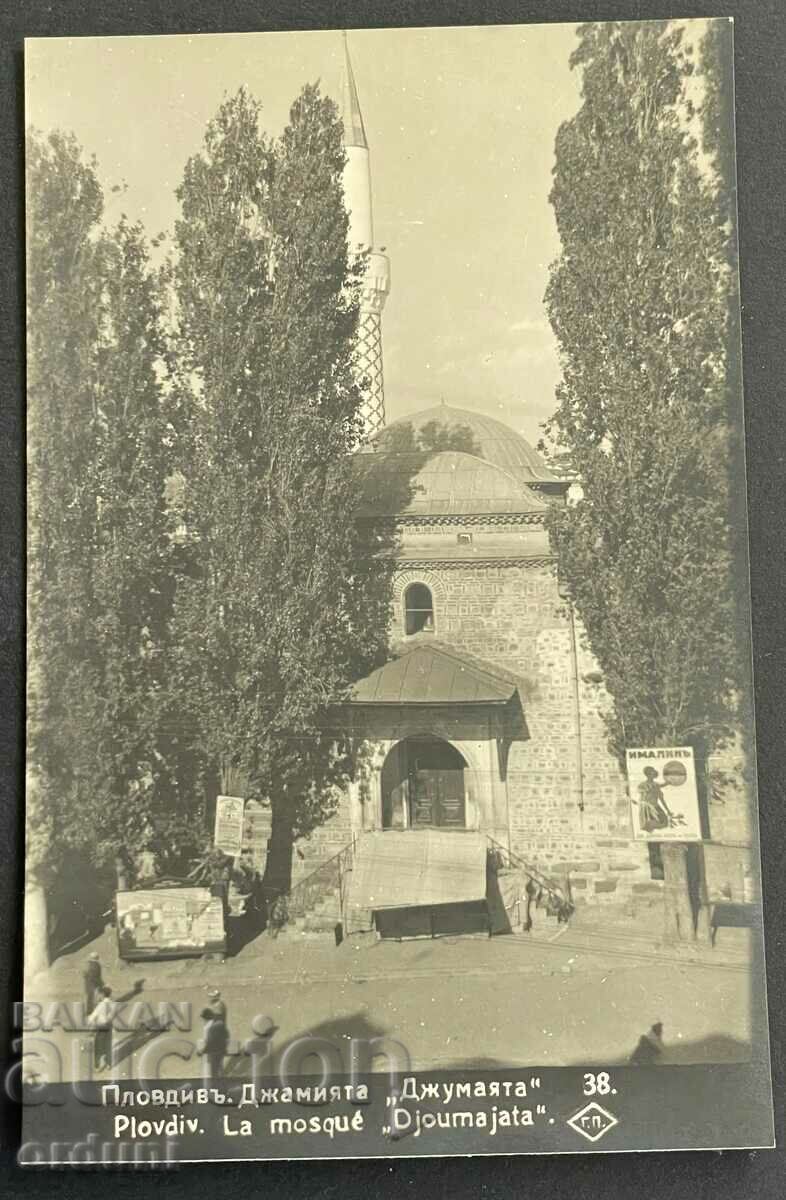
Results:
[244, 874]
[217, 1005]
[278, 916]
[100, 1020]
[213, 1044]
[92, 981]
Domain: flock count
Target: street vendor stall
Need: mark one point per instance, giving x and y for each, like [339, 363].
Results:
[216, 907]
[170, 922]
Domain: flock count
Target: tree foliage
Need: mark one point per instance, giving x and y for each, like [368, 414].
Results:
[98, 566]
[165, 664]
[639, 301]
[286, 605]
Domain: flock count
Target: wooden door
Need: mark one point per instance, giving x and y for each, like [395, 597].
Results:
[438, 799]
[450, 790]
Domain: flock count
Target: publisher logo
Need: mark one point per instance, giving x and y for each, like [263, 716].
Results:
[592, 1121]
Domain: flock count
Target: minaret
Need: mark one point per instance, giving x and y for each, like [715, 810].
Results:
[376, 282]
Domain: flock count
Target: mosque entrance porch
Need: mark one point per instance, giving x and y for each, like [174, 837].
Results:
[423, 786]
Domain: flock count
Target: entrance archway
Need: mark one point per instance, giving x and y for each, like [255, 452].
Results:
[423, 785]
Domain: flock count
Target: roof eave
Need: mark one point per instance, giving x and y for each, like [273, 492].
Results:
[431, 703]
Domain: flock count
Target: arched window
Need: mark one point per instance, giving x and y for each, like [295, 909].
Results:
[418, 609]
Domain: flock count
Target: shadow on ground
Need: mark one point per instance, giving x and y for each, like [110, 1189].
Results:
[326, 1048]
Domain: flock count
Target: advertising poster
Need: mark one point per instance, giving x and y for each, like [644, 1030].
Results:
[168, 921]
[663, 798]
[228, 830]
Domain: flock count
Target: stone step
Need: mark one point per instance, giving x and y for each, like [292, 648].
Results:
[323, 914]
[319, 925]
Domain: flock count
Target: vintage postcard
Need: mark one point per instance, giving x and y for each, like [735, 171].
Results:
[391, 777]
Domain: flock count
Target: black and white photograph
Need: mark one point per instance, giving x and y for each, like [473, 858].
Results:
[391, 771]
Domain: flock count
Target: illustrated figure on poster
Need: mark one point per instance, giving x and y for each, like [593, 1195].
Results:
[654, 812]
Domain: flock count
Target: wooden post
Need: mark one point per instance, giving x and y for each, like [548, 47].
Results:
[704, 931]
[678, 911]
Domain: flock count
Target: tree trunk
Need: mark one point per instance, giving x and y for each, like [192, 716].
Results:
[36, 938]
[679, 925]
[278, 867]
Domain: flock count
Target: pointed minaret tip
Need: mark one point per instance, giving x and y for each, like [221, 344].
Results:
[354, 130]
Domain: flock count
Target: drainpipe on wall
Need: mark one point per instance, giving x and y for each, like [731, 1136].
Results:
[574, 658]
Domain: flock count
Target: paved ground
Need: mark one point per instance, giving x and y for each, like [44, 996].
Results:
[576, 995]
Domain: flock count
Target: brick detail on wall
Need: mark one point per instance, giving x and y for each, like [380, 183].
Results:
[325, 841]
[513, 616]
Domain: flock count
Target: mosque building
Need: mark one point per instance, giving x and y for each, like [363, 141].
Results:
[485, 728]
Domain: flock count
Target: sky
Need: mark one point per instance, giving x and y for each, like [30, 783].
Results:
[460, 124]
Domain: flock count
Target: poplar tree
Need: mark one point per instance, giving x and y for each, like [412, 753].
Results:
[286, 607]
[98, 551]
[639, 300]
[64, 208]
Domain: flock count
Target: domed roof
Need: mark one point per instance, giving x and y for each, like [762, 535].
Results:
[445, 427]
[444, 481]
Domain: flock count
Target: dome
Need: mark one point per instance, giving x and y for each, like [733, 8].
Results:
[441, 482]
[446, 427]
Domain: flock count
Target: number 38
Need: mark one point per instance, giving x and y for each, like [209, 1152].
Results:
[597, 1085]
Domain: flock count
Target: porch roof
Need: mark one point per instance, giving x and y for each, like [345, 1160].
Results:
[430, 674]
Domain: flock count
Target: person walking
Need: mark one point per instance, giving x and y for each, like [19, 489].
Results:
[92, 982]
[100, 1020]
[217, 1005]
[213, 1044]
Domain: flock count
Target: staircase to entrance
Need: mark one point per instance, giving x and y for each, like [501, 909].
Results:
[317, 904]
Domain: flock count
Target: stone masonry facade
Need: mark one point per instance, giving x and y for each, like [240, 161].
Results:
[512, 616]
[568, 813]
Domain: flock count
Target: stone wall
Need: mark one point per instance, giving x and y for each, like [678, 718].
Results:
[730, 853]
[325, 841]
[568, 813]
[725, 867]
[512, 616]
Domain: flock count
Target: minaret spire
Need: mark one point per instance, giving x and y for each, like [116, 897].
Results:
[360, 239]
[354, 129]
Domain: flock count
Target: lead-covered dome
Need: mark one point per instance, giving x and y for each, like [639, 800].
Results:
[485, 437]
[448, 460]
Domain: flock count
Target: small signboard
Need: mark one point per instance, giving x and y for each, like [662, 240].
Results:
[663, 797]
[169, 922]
[228, 831]
[257, 826]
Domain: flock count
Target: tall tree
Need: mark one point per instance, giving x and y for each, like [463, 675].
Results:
[287, 607]
[98, 546]
[63, 212]
[639, 301]
[135, 558]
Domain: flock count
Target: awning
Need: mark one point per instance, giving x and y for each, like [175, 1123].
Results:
[417, 868]
[432, 674]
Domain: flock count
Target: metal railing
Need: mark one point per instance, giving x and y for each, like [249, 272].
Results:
[331, 875]
[555, 892]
